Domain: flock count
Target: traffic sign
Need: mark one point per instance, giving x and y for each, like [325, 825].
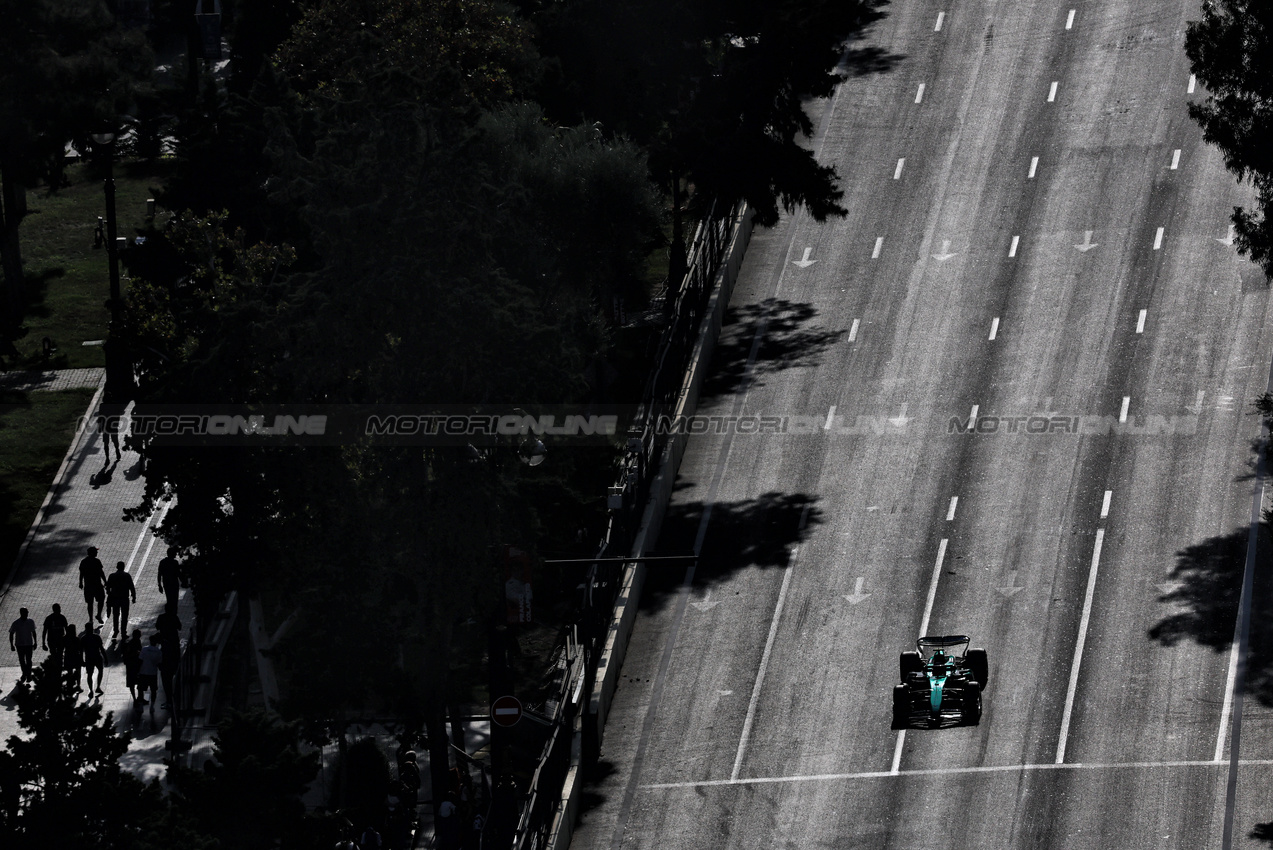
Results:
[506, 711]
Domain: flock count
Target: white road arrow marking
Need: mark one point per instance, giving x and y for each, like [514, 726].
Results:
[901, 419]
[1228, 239]
[945, 251]
[857, 595]
[1012, 588]
[804, 262]
[707, 604]
[1088, 244]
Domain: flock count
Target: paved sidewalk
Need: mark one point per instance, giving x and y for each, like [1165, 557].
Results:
[51, 380]
[85, 509]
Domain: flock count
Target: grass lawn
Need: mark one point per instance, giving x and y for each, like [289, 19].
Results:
[36, 429]
[68, 281]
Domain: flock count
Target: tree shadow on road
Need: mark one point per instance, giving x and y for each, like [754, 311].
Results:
[755, 532]
[789, 341]
[1204, 590]
[1262, 832]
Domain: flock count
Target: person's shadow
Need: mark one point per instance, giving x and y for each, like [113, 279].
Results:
[103, 476]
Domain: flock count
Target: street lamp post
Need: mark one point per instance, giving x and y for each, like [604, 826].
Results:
[106, 140]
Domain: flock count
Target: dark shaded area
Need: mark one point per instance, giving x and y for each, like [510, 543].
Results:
[1210, 581]
[790, 341]
[749, 533]
[1208, 578]
[865, 61]
[1262, 832]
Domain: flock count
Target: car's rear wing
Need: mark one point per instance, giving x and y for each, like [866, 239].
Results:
[934, 641]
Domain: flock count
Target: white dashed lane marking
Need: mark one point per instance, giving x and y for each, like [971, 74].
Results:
[919, 95]
[1034, 165]
[897, 172]
[853, 334]
[1012, 250]
[950, 513]
[994, 328]
[879, 243]
[941, 16]
[1069, 20]
[1140, 322]
[1052, 91]
[1158, 239]
[1175, 159]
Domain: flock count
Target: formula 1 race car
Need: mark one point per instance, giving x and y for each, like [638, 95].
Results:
[941, 683]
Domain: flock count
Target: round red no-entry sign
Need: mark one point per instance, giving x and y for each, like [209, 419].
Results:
[506, 711]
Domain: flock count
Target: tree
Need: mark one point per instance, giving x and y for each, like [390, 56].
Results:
[249, 793]
[66, 69]
[716, 90]
[1231, 52]
[61, 785]
[464, 51]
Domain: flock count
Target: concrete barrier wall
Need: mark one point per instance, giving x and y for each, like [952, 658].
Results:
[647, 536]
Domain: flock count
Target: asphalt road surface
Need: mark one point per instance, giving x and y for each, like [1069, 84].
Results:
[1008, 396]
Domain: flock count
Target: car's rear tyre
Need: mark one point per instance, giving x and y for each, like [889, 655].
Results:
[972, 713]
[901, 705]
[910, 662]
[979, 666]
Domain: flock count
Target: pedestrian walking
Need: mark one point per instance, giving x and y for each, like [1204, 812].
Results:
[109, 416]
[170, 577]
[148, 672]
[93, 582]
[22, 641]
[73, 662]
[169, 627]
[118, 589]
[132, 662]
[94, 656]
[53, 635]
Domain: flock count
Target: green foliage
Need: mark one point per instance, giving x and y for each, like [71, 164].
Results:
[249, 794]
[715, 90]
[65, 70]
[61, 784]
[1231, 51]
[466, 51]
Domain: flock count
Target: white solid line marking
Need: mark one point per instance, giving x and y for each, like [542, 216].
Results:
[1158, 239]
[1175, 159]
[1140, 323]
[149, 546]
[1034, 164]
[879, 243]
[919, 95]
[1122, 414]
[1193, 80]
[831, 412]
[941, 16]
[764, 658]
[853, 331]
[994, 328]
[932, 586]
[1105, 503]
[897, 753]
[943, 771]
[950, 514]
[1078, 648]
[1052, 92]
[1012, 251]
[973, 417]
[897, 172]
[1227, 707]
[1069, 20]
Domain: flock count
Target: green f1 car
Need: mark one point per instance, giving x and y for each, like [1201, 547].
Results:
[941, 683]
